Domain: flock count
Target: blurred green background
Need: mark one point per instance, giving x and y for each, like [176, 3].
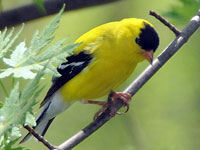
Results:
[164, 114]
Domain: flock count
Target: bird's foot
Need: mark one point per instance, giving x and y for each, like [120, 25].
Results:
[113, 96]
[125, 97]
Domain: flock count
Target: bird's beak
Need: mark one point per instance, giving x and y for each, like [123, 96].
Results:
[148, 55]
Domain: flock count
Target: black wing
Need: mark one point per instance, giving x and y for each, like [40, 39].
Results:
[74, 65]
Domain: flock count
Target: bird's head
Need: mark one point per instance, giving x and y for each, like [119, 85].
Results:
[145, 37]
[148, 40]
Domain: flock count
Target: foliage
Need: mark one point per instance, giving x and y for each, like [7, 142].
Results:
[7, 40]
[40, 5]
[182, 11]
[27, 63]
[24, 61]
[1, 104]
[9, 146]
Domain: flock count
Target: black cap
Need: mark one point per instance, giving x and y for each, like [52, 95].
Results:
[148, 38]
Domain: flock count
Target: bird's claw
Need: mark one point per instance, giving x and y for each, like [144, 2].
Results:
[103, 108]
[113, 96]
[125, 97]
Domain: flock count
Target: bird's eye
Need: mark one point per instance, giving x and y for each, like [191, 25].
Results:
[137, 40]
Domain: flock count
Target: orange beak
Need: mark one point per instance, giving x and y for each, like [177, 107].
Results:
[148, 55]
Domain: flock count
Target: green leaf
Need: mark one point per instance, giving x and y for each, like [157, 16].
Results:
[25, 61]
[1, 104]
[8, 40]
[30, 119]
[10, 144]
[38, 42]
[9, 111]
[15, 60]
[16, 56]
[18, 104]
[4, 88]
[40, 5]
[15, 132]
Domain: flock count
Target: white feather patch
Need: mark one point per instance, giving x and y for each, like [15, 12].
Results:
[75, 64]
[57, 106]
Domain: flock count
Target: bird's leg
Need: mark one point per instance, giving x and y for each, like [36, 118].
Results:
[103, 104]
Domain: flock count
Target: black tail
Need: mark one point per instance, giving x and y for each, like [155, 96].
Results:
[42, 124]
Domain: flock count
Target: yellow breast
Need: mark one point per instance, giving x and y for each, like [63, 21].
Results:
[97, 80]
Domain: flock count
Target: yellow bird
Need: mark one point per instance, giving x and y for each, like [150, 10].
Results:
[107, 56]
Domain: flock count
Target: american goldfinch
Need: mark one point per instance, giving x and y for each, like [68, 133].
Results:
[107, 56]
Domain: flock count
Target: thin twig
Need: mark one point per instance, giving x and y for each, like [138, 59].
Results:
[40, 138]
[174, 46]
[165, 22]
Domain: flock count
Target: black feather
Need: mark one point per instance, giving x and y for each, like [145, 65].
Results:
[148, 38]
[47, 126]
[74, 65]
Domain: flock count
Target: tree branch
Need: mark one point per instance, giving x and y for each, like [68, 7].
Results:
[30, 12]
[174, 46]
[39, 137]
